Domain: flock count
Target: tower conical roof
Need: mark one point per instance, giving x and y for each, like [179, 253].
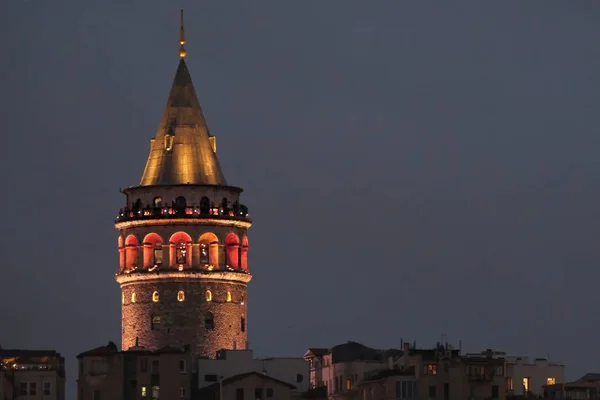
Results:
[182, 152]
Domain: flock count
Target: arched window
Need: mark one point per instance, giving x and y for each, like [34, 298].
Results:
[211, 242]
[204, 257]
[229, 297]
[157, 202]
[133, 297]
[244, 254]
[131, 252]
[208, 295]
[180, 203]
[225, 206]
[155, 297]
[137, 205]
[232, 243]
[180, 296]
[204, 205]
[209, 321]
[158, 254]
[181, 249]
[153, 252]
[243, 324]
[181, 253]
[121, 245]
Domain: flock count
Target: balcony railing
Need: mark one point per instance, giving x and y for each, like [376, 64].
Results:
[239, 213]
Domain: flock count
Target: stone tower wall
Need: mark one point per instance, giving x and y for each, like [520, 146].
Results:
[183, 322]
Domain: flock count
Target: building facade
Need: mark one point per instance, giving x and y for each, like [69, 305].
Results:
[249, 386]
[32, 375]
[530, 377]
[183, 244]
[230, 363]
[105, 373]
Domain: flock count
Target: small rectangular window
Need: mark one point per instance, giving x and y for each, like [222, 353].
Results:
[143, 365]
[32, 389]
[155, 392]
[432, 390]
[495, 392]
[144, 391]
[210, 378]
[182, 366]
[23, 389]
[47, 388]
[239, 394]
[96, 395]
[269, 393]
[181, 392]
[258, 394]
[155, 366]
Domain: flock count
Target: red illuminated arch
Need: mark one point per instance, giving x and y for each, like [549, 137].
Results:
[244, 254]
[132, 245]
[232, 244]
[211, 241]
[152, 250]
[121, 254]
[180, 246]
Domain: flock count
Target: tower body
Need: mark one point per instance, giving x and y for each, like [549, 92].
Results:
[183, 244]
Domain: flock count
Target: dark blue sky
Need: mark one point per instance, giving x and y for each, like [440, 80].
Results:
[412, 168]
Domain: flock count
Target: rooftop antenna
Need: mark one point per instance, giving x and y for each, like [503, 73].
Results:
[182, 52]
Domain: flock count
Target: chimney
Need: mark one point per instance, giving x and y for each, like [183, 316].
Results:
[405, 354]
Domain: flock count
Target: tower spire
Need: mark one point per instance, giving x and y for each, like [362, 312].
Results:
[182, 52]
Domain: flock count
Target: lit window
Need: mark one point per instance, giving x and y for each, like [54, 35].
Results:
[526, 384]
[208, 295]
[431, 369]
[133, 297]
[229, 297]
[204, 259]
[348, 384]
[180, 253]
[551, 381]
[180, 296]
[155, 392]
[123, 298]
[157, 204]
[155, 297]
[158, 254]
[144, 391]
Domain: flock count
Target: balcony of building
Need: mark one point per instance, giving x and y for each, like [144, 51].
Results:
[237, 212]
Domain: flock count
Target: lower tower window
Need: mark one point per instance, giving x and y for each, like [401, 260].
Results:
[209, 321]
[133, 298]
[208, 295]
[243, 324]
[180, 296]
[155, 297]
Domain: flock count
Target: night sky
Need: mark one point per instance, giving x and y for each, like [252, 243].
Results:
[412, 168]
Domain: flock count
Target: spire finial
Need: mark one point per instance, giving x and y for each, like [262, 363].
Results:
[182, 52]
